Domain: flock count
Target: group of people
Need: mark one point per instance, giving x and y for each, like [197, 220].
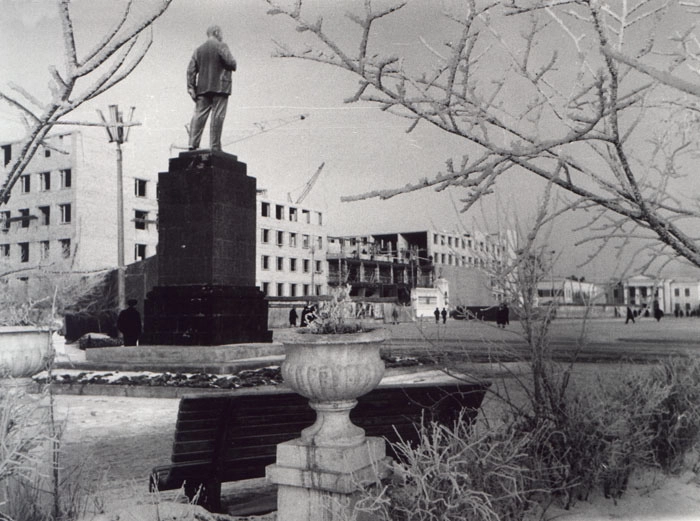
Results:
[308, 314]
[502, 315]
[439, 313]
[656, 311]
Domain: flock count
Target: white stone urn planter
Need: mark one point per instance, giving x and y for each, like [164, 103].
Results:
[332, 371]
[24, 350]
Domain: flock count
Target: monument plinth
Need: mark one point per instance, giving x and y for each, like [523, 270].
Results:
[206, 292]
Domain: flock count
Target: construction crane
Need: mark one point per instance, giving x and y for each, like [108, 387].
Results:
[308, 186]
[262, 127]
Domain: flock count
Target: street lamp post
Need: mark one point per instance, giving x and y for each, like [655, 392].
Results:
[118, 132]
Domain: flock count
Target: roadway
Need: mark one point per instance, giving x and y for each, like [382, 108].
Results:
[595, 340]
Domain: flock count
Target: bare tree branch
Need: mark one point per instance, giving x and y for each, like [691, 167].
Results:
[117, 54]
[557, 95]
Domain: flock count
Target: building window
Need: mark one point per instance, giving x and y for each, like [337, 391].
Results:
[292, 266]
[65, 213]
[264, 235]
[65, 248]
[66, 178]
[7, 152]
[317, 289]
[45, 218]
[280, 289]
[25, 183]
[265, 262]
[24, 215]
[5, 250]
[677, 292]
[320, 242]
[293, 240]
[279, 212]
[139, 252]
[687, 292]
[45, 247]
[320, 218]
[306, 265]
[266, 288]
[140, 219]
[24, 252]
[140, 187]
[292, 216]
[293, 290]
[318, 267]
[47, 152]
[280, 263]
[45, 181]
[304, 241]
[5, 217]
[306, 290]
[280, 238]
[435, 238]
[265, 209]
[306, 216]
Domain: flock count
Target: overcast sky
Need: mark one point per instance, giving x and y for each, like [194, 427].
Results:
[362, 148]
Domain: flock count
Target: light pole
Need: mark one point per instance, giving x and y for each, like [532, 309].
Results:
[118, 132]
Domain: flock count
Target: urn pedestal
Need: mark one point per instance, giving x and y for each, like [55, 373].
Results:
[319, 474]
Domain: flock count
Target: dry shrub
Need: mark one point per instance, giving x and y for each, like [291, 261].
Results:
[453, 474]
[675, 422]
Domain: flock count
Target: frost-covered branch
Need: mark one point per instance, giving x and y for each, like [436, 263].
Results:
[557, 89]
[116, 55]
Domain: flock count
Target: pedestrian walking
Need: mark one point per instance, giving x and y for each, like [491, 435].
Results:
[293, 318]
[395, 315]
[444, 315]
[437, 315]
[630, 315]
[129, 323]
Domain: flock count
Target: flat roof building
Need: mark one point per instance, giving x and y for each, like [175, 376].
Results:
[63, 209]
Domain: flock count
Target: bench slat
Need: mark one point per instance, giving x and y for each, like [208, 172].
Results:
[234, 436]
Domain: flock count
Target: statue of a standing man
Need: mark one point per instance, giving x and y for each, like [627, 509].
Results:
[209, 85]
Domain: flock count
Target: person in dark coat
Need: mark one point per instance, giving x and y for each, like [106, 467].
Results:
[630, 315]
[209, 86]
[658, 314]
[129, 323]
[437, 315]
[293, 318]
[444, 315]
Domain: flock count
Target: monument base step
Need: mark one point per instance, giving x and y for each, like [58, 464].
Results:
[217, 359]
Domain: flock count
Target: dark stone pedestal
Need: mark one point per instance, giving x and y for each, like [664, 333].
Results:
[206, 292]
[206, 315]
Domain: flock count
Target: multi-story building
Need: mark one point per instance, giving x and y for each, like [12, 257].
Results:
[64, 208]
[291, 249]
[391, 264]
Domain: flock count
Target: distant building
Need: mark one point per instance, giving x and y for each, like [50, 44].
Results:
[63, 209]
[570, 292]
[390, 265]
[672, 294]
[291, 250]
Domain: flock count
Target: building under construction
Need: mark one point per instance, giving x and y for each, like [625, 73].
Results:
[384, 266]
[390, 265]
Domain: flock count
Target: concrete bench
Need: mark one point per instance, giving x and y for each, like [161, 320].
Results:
[233, 436]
